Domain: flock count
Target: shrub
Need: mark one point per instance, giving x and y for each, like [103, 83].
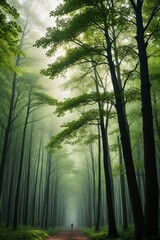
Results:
[22, 233]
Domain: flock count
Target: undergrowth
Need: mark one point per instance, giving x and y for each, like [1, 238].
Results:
[24, 233]
[102, 234]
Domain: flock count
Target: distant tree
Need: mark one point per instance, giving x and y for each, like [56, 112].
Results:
[97, 225]
[28, 178]
[123, 190]
[47, 190]
[35, 186]
[9, 30]
[30, 107]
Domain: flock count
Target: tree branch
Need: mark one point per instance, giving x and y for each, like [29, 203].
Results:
[129, 75]
[133, 4]
[152, 33]
[155, 11]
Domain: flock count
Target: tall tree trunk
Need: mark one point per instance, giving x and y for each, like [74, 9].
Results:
[97, 228]
[89, 197]
[35, 184]
[11, 109]
[112, 230]
[140, 173]
[156, 113]
[151, 182]
[8, 128]
[10, 194]
[15, 216]
[94, 184]
[55, 199]
[126, 144]
[28, 178]
[157, 126]
[41, 190]
[123, 190]
[47, 188]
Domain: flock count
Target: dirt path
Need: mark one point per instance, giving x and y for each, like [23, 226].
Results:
[69, 235]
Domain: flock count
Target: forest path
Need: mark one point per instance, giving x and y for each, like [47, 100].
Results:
[69, 235]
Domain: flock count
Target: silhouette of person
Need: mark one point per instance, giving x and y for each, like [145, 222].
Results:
[72, 226]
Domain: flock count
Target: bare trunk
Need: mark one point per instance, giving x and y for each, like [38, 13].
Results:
[15, 216]
[151, 182]
[97, 228]
[123, 190]
[28, 179]
[112, 230]
[126, 145]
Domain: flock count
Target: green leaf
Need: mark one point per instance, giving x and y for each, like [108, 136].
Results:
[71, 128]
[82, 100]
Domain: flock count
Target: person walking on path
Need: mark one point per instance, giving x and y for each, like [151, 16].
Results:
[71, 226]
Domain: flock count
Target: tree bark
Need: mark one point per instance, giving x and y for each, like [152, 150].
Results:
[112, 230]
[97, 228]
[47, 189]
[28, 178]
[89, 197]
[93, 184]
[151, 182]
[11, 109]
[126, 145]
[15, 215]
[123, 190]
[35, 185]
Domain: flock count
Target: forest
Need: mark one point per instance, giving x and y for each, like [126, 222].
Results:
[80, 119]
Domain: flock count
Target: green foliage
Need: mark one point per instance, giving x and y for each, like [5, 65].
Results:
[71, 29]
[9, 35]
[23, 233]
[91, 138]
[118, 169]
[9, 29]
[95, 235]
[82, 100]
[71, 128]
[73, 56]
[43, 98]
[62, 63]
[71, 5]
[102, 234]
[132, 94]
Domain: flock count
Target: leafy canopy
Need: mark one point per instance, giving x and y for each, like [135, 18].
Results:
[71, 129]
[9, 34]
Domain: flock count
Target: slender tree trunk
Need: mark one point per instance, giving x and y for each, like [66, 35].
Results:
[151, 182]
[35, 185]
[41, 190]
[97, 228]
[126, 145]
[28, 179]
[10, 195]
[112, 230]
[11, 109]
[55, 199]
[123, 191]
[47, 189]
[15, 216]
[89, 194]
[157, 126]
[8, 128]
[140, 173]
[94, 184]
[156, 113]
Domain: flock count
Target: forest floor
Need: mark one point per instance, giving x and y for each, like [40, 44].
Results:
[69, 235]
